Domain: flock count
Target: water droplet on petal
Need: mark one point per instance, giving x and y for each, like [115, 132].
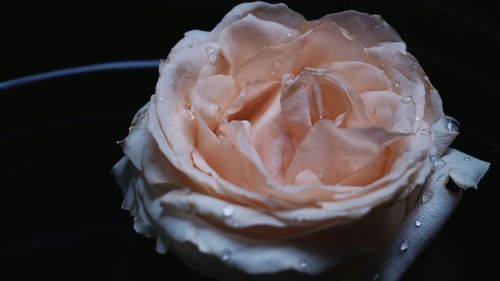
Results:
[289, 35]
[228, 211]
[397, 82]
[226, 255]
[288, 82]
[160, 99]
[427, 196]
[303, 263]
[441, 178]
[407, 100]
[190, 114]
[418, 118]
[403, 246]
[466, 158]
[315, 71]
[437, 163]
[418, 222]
[212, 55]
[426, 131]
[452, 124]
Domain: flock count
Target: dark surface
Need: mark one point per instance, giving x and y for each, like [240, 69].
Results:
[60, 205]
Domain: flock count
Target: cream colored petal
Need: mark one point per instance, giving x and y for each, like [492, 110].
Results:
[190, 39]
[135, 141]
[428, 217]
[178, 76]
[466, 171]
[444, 132]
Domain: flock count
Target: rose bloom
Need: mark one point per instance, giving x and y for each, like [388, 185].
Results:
[278, 145]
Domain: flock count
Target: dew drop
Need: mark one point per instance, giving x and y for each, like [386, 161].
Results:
[466, 158]
[418, 222]
[212, 55]
[397, 82]
[426, 131]
[289, 35]
[190, 114]
[288, 82]
[407, 100]
[427, 196]
[226, 255]
[437, 163]
[403, 246]
[160, 99]
[227, 211]
[441, 178]
[303, 263]
[418, 118]
[452, 125]
[315, 71]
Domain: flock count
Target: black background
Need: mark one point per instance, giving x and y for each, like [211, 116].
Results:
[60, 207]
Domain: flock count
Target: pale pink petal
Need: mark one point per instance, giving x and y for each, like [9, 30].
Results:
[212, 96]
[389, 111]
[361, 76]
[370, 30]
[312, 49]
[334, 153]
[243, 39]
[403, 72]
[278, 13]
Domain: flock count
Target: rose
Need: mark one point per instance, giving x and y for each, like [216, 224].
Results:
[278, 144]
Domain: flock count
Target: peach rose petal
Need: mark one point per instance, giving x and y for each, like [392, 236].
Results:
[373, 79]
[212, 96]
[244, 38]
[370, 30]
[387, 110]
[278, 13]
[334, 153]
[311, 49]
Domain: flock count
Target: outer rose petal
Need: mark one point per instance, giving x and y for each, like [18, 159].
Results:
[278, 13]
[244, 38]
[370, 30]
